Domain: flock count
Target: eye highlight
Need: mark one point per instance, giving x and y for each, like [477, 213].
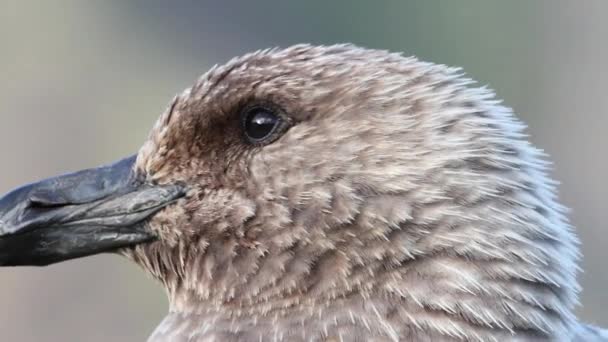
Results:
[262, 125]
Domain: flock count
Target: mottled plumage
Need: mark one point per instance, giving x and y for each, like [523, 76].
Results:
[403, 204]
[396, 201]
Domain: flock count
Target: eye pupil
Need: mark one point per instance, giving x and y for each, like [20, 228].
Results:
[260, 123]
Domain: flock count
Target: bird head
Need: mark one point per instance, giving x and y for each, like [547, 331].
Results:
[323, 177]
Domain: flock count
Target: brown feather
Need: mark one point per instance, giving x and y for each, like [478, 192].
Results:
[403, 204]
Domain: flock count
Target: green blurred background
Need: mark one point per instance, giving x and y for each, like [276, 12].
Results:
[81, 83]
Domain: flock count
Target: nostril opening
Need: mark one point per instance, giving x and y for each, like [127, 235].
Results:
[37, 203]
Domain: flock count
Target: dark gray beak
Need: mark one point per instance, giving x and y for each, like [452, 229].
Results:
[79, 214]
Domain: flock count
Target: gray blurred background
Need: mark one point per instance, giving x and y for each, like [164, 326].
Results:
[81, 83]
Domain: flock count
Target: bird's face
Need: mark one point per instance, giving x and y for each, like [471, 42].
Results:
[275, 154]
[302, 167]
[299, 182]
[292, 175]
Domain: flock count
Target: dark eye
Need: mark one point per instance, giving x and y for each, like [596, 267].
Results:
[261, 124]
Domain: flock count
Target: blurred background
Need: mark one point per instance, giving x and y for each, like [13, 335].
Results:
[81, 83]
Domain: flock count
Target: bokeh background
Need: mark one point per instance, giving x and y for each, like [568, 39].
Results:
[82, 82]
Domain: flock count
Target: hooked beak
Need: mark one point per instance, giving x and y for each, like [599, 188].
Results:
[79, 214]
